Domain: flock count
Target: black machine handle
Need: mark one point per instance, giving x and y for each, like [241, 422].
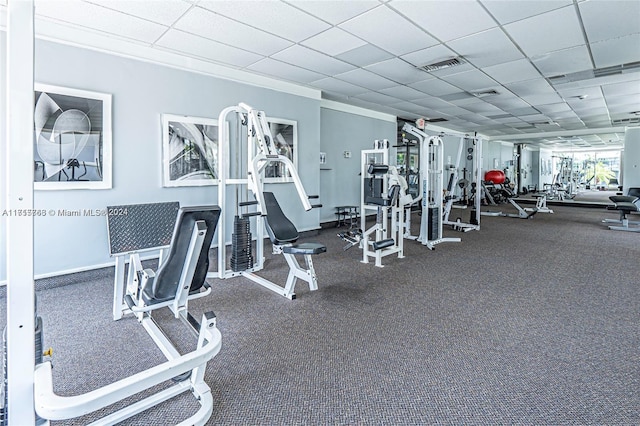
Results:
[247, 203]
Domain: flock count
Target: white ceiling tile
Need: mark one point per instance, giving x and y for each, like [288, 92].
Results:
[434, 87]
[633, 100]
[531, 87]
[310, 59]
[509, 11]
[364, 78]
[436, 16]
[164, 12]
[284, 71]
[609, 19]
[542, 99]
[552, 108]
[186, 43]
[555, 30]
[431, 102]
[397, 70]
[274, 17]
[403, 92]
[618, 89]
[365, 55]
[405, 105]
[564, 61]
[616, 51]
[334, 12]
[509, 104]
[378, 98]
[202, 22]
[388, 30]
[334, 85]
[483, 108]
[489, 47]
[563, 116]
[511, 72]
[99, 18]
[470, 80]
[334, 41]
[573, 94]
[622, 108]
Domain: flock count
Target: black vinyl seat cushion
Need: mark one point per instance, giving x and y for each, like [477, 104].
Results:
[282, 231]
[165, 285]
[305, 248]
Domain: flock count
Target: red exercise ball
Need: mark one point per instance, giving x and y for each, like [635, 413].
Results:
[495, 176]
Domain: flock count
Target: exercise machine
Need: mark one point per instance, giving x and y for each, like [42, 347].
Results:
[383, 192]
[497, 189]
[625, 204]
[179, 278]
[460, 191]
[241, 182]
[431, 171]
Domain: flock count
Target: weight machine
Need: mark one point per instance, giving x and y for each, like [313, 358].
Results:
[383, 191]
[431, 173]
[458, 190]
[179, 279]
[261, 152]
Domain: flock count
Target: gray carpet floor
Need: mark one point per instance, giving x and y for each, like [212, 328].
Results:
[526, 322]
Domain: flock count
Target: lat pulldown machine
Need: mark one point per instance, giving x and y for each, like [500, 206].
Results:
[431, 174]
[261, 151]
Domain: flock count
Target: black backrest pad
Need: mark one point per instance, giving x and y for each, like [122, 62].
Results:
[168, 274]
[635, 192]
[280, 229]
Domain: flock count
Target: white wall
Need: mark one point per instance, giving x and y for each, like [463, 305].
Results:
[631, 159]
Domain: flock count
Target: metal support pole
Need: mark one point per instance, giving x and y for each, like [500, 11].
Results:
[19, 203]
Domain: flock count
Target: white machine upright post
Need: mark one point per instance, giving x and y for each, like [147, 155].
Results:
[19, 201]
[431, 170]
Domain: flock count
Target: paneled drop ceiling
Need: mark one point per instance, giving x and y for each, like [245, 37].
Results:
[559, 73]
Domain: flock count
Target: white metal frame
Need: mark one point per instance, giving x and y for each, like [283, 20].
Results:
[475, 173]
[19, 197]
[392, 227]
[431, 171]
[50, 406]
[260, 152]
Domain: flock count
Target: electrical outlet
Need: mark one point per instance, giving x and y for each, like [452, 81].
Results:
[347, 154]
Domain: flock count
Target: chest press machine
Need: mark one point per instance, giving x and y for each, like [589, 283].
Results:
[179, 278]
[261, 151]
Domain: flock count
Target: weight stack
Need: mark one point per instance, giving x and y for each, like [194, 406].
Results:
[472, 219]
[433, 223]
[241, 256]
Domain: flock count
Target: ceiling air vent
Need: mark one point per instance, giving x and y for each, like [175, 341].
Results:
[485, 93]
[624, 121]
[447, 63]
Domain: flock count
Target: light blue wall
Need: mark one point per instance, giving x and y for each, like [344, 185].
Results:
[141, 93]
[339, 179]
